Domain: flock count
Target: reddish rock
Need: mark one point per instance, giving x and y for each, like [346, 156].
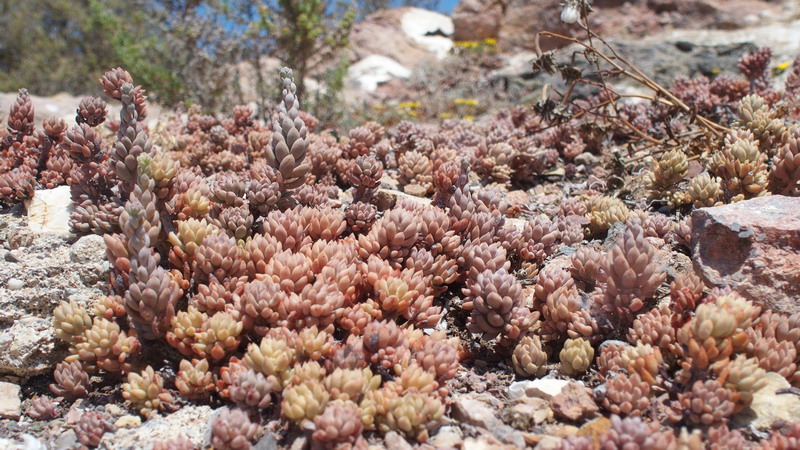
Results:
[476, 20]
[575, 402]
[752, 246]
[518, 21]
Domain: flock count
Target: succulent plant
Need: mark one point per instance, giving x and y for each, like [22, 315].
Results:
[194, 379]
[251, 389]
[632, 277]
[576, 356]
[105, 346]
[339, 423]
[439, 356]
[304, 401]
[91, 427]
[71, 321]
[606, 211]
[91, 111]
[741, 166]
[71, 381]
[705, 190]
[632, 432]
[653, 328]
[218, 336]
[626, 395]
[529, 359]
[360, 216]
[272, 357]
[287, 149]
[496, 305]
[642, 359]
[42, 408]
[413, 415]
[20, 117]
[707, 403]
[145, 391]
[667, 171]
[231, 429]
[785, 174]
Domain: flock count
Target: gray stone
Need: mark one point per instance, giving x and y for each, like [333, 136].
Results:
[67, 439]
[13, 256]
[88, 249]
[191, 421]
[267, 442]
[769, 406]
[28, 347]
[526, 413]
[10, 404]
[49, 271]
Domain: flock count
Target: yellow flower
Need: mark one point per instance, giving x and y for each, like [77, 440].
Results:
[466, 101]
[490, 41]
[469, 118]
[780, 68]
[716, 71]
[408, 105]
[445, 116]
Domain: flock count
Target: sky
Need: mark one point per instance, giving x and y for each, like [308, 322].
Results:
[446, 6]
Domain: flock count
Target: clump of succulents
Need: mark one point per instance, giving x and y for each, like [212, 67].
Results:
[285, 276]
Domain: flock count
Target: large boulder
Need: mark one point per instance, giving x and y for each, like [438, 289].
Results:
[476, 20]
[753, 246]
[389, 44]
[409, 36]
[516, 22]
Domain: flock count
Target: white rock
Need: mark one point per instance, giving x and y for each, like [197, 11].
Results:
[769, 407]
[191, 421]
[29, 442]
[545, 388]
[373, 70]
[448, 436]
[15, 284]
[10, 404]
[49, 209]
[427, 27]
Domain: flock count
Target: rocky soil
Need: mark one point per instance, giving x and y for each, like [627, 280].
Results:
[751, 246]
[489, 406]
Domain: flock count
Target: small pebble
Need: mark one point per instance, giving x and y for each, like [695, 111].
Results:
[13, 256]
[15, 284]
